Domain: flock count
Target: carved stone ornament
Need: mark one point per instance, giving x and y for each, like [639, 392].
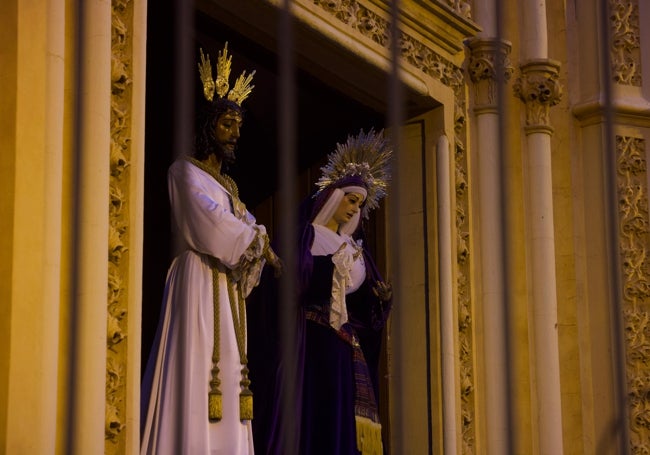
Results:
[461, 7]
[118, 205]
[357, 16]
[539, 88]
[349, 10]
[634, 238]
[465, 312]
[489, 61]
[114, 383]
[625, 42]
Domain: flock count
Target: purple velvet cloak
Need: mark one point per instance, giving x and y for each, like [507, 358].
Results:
[323, 420]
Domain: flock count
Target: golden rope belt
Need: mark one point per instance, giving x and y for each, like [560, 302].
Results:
[215, 407]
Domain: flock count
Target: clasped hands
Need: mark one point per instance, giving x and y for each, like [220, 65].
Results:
[383, 290]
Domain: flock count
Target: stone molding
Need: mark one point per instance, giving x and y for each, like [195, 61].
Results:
[118, 206]
[540, 89]
[489, 63]
[376, 26]
[625, 42]
[634, 238]
[466, 312]
[465, 308]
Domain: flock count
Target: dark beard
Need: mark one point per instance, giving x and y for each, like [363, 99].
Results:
[227, 156]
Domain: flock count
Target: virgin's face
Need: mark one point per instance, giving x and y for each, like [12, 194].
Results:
[227, 133]
[348, 207]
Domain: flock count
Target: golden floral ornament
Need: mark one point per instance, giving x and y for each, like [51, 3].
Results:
[240, 90]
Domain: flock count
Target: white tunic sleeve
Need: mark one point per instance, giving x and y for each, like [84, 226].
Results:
[203, 214]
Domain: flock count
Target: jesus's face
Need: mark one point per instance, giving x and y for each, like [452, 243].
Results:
[226, 131]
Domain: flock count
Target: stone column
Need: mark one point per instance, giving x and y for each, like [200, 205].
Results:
[539, 89]
[487, 57]
[90, 219]
[448, 330]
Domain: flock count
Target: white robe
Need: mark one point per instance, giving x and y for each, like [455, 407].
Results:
[177, 414]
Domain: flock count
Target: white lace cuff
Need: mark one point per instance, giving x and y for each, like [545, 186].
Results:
[249, 270]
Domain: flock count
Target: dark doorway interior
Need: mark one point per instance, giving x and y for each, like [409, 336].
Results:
[325, 116]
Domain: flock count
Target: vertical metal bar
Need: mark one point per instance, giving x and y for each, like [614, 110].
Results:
[184, 71]
[395, 122]
[611, 210]
[505, 237]
[183, 97]
[288, 307]
[77, 165]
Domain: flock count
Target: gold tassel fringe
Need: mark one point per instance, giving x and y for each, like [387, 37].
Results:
[368, 436]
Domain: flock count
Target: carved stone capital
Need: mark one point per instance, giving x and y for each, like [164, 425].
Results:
[539, 88]
[489, 61]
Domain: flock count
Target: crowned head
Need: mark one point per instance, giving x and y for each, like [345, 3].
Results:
[361, 165]
[222, 108]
